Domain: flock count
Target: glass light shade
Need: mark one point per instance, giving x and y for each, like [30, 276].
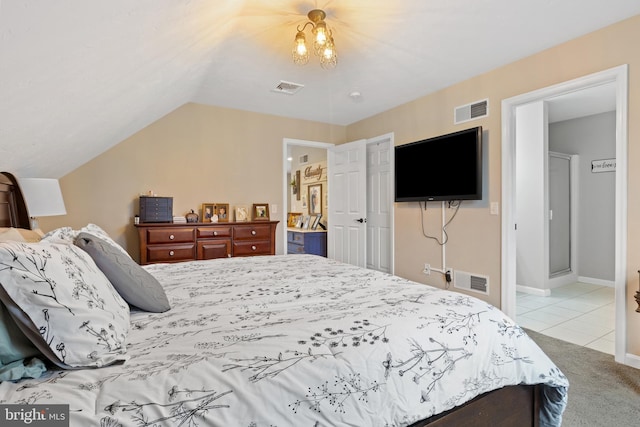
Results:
[42, 196]
[319, 38]
[329, 57]
[320, 33]
[300, 52]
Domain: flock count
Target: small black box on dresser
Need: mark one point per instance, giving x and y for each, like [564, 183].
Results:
[156, 209]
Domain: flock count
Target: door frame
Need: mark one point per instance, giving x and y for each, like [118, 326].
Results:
[618, 76]
[285, 182]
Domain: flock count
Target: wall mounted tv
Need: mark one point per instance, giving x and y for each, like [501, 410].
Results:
[446, 167]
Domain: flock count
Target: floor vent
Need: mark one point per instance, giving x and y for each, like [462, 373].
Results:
[472, 111]
[471, 282]
[288, 88]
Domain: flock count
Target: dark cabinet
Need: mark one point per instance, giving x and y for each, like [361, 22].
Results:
[156, 209]
[312, 242]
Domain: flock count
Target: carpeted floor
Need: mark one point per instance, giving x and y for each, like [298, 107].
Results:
[601, 391]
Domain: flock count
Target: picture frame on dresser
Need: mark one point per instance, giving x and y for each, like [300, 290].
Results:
[241, 213]
[314, 221]
[222, 210]
[292, 218]
[260, 212]
[208, 210]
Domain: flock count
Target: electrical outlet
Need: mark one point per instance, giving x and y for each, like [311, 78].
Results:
[427, 269]
[448, 275]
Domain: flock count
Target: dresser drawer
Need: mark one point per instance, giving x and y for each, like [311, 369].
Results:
[214, 248]
[247, 248]
[169, 235]
[293, 248]
[171, 253]
[252, 232]
[213, 232]
[295, 237]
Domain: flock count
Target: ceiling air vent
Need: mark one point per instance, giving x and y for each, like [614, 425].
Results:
[303, 159]
[288, 88]
[471, 282]
[472, 111]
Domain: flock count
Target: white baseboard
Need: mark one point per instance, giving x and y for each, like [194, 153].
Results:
[562, 280]
[533, 291]
[632, 360]
[599, 282]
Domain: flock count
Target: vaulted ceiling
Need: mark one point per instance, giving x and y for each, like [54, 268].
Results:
[77, 76]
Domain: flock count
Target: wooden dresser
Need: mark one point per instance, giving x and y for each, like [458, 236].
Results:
[193, 241]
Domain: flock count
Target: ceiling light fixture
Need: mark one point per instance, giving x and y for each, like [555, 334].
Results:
[323, 45]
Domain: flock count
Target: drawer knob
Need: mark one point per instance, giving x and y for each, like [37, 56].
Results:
[253, 248]
[171, 237]
[215, 233]
[253, 232]
[171, 253]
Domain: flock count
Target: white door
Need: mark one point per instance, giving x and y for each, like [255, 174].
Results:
[346, 237]
[380, 203]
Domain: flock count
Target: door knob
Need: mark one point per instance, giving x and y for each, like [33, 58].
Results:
[361, 220]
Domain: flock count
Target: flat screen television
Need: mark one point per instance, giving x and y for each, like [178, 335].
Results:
[446, 167]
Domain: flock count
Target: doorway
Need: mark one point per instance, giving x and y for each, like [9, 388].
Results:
[617, 77]
[375, 188]
[303, 154]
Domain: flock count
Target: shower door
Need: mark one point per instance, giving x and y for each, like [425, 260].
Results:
[559, 214]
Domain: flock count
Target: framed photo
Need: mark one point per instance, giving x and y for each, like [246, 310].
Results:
[222, 210]
[315, 198]
[260, 212]
[208, 211]
[242, 213]
[305, 222]
[315, 220]
[292, 218]
[299, 221]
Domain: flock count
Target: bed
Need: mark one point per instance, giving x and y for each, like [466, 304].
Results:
[285, 340]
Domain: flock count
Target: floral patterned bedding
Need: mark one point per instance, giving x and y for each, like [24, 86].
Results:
[299, 340]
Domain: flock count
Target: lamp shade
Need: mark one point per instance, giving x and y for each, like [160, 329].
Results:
[42, 196]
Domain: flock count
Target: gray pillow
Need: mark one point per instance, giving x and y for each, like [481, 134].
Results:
[136, 285]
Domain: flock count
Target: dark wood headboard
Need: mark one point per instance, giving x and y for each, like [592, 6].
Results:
[13, 210]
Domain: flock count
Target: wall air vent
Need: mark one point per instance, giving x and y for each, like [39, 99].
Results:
[471, 282]
[303, 159]
[288, 88]
[475, 110]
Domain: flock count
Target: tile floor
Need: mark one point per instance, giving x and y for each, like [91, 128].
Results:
[579, 313]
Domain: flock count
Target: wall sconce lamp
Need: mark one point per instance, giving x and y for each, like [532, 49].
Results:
[323, 45]
[43, 197]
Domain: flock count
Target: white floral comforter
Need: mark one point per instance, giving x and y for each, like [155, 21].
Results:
[299, 340]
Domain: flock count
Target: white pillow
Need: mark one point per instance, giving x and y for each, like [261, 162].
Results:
[69, 235]
[63, 303]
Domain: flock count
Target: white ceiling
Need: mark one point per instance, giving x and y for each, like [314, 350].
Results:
[77, 76]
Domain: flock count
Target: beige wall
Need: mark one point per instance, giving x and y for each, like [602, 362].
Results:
[207, 154]
[196, 154]
[475, 235]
